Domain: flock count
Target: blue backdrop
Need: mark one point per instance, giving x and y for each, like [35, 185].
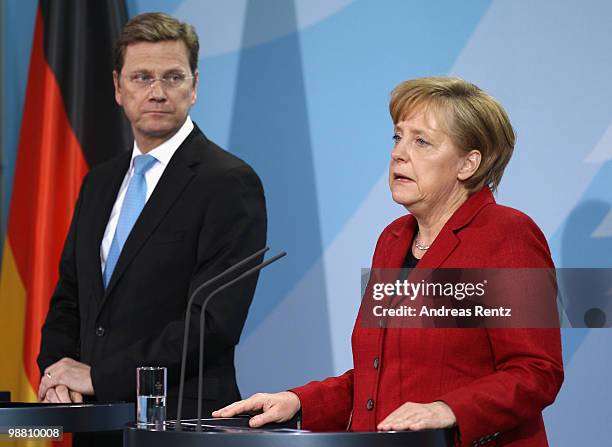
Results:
[299, 89]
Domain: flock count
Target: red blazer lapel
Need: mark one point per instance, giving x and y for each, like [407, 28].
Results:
[397, 250]
[441, 249]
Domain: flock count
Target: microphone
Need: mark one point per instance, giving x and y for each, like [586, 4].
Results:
[221, 275]
[203, 325]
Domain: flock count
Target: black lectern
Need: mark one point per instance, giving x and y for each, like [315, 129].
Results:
[223, 434]
[74, 418]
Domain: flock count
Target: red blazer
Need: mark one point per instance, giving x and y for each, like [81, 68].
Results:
[496, 381]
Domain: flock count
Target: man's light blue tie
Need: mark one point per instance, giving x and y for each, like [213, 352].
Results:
[134, 202]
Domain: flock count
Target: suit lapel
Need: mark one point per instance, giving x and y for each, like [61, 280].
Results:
[173, 181]
[105, 203]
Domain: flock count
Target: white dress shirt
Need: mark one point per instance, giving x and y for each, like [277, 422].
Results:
[163, 153]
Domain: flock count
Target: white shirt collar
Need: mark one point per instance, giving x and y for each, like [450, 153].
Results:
[164, 152]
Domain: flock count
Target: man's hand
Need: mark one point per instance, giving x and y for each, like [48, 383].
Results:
[73, 375]
[278, 407]
[61, 394]
[76, 397]
[413, 416]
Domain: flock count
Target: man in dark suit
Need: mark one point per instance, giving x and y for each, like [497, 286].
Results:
[148, 228]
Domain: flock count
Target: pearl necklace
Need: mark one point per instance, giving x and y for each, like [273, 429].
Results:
[419, 246]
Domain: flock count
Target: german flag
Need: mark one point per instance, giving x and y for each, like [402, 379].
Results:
[70, 123]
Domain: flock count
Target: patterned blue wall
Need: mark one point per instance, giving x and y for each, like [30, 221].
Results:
[299, 88]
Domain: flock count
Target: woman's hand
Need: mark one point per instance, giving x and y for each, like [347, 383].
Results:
[413, 416]
[278, 407]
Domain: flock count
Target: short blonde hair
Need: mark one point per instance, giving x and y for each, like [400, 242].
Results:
[472, 118]
[157, 27]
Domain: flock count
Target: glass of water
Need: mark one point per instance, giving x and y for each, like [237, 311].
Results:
[151, 396]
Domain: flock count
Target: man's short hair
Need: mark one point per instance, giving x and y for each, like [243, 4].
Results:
[157, 27]
[471, 117]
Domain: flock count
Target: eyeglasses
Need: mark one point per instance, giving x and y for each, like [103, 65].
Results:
[169, 81]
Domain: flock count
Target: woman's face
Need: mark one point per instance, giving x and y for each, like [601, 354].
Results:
[425, 166]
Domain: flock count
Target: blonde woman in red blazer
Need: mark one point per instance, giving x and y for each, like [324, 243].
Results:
[452, 143]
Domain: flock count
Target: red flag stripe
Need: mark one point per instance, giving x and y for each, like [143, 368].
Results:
[49, 170]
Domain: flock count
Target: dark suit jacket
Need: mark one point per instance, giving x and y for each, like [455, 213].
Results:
[496, 381]
[206, 213]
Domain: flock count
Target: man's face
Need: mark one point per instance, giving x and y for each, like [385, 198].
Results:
[158, 109]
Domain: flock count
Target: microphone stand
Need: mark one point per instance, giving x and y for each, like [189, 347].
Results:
[203, 325]
[186, 333]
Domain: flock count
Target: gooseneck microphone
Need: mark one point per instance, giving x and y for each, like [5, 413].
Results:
[203, 325]
[186, 334]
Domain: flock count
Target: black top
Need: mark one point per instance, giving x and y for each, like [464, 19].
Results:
[410, 261]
